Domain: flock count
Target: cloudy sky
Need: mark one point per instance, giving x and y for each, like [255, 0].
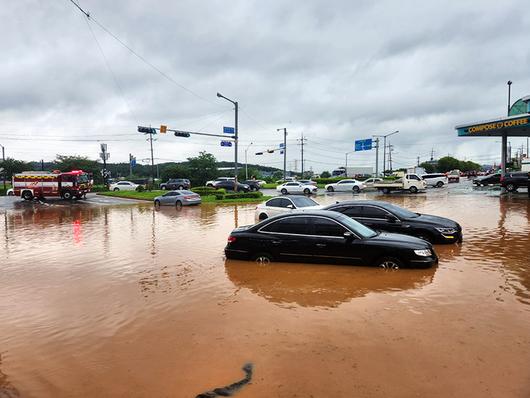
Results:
[332, 71]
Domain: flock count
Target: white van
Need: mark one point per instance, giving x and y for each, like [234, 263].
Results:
[437, 180]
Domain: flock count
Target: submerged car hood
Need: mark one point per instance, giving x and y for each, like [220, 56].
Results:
[405, 240]
[434, 221]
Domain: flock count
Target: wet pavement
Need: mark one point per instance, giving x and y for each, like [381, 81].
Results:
[123, 300]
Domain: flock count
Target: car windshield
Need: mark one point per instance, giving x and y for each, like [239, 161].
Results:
[188, 192]
[304, 202]
[357, 227]
[400, 211]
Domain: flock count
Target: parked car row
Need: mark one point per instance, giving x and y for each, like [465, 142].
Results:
[298, 229]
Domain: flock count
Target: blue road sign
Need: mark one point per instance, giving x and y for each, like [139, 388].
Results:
[229, 130]
[226, 143]
[133, 162]
[363, 145]
[281, 145]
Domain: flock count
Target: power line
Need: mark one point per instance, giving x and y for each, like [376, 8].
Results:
[140, 57]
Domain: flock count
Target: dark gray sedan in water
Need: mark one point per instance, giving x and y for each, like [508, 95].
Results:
[327, 237]
[178, 198]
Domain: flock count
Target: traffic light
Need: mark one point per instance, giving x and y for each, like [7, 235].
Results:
[146, 130]
[182, 134]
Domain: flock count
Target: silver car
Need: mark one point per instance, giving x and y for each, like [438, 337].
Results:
[178, 198]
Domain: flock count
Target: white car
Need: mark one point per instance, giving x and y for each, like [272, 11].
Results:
[296, 187]
[369, 183]
[437, 180]
[123, 186]
[346, 186]
[285, 204]
[211, 183]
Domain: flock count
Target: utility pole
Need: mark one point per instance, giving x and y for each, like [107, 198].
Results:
[377, 157]
[284, 151]
[390, 149]
[302, 143]
[432, 154]
[42, 165]
[152, 160]
[130, 164]
[236, 135]
[384, 147]
[418, 163]
[104, 155]
[504, 156]
[3, 164]
[246, 161]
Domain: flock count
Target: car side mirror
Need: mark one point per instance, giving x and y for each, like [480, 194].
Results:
[348, 236]
[290, 206]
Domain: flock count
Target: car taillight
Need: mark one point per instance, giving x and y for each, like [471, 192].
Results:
[231, 239]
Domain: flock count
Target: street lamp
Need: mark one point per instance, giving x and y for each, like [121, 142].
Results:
[219, 95]
[384, 147]
[246, 162]
[284, 151]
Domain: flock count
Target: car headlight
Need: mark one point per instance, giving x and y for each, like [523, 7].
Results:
[423, 252]
[446, 230]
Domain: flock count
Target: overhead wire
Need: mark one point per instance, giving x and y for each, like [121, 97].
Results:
[140, 57]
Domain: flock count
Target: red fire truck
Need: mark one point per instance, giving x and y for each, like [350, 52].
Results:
[39, 184]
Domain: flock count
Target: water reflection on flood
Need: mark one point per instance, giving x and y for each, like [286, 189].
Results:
[141, 302]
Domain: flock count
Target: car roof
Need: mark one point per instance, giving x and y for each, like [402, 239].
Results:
[322, 213]
[380, 203]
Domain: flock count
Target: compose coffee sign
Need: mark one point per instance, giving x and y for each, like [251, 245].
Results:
[482, 128]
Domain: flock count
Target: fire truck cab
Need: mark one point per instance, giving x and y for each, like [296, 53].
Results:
[40, 184]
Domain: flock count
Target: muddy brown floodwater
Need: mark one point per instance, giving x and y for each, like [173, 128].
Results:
[126, 301]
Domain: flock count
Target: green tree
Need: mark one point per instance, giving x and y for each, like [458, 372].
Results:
[325, 174]
[175, 171]
[68, 163]
[202, 168]
[429, 167]
[448, 163]
[12, 166]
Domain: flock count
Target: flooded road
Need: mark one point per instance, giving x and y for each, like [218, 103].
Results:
[127, 301]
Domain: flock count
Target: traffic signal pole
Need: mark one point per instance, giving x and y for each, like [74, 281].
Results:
[4, 162]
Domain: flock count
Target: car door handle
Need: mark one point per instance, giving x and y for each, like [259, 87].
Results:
[321, 245]
[276, 242]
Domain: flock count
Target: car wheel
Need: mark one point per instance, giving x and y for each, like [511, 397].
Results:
[181, 187]
[511, 187]
[163, 188]
[263, 258]
[116, 189]
[386, 190]
[27, 195]
[67, 195]
[330, 189]
[178, 204]
[209, 185]
[389, 263]
[413, 190]
[307, 191]
[356, 189]
[284, 191]
[439, 184]
[11, 193]
[157, 203]
[263, 216]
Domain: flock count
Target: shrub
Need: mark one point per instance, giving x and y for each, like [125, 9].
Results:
[208, 191]
[99, 188]
[140, 188]
[242, 195]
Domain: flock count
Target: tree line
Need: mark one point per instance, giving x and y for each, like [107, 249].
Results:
[198, 169]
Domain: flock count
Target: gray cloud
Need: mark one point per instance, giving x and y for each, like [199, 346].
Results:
[336, 71]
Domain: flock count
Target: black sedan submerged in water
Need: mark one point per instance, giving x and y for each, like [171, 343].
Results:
[389, 217]
[326, 237]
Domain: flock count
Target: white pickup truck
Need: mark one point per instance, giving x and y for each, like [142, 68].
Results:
[409, 182]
